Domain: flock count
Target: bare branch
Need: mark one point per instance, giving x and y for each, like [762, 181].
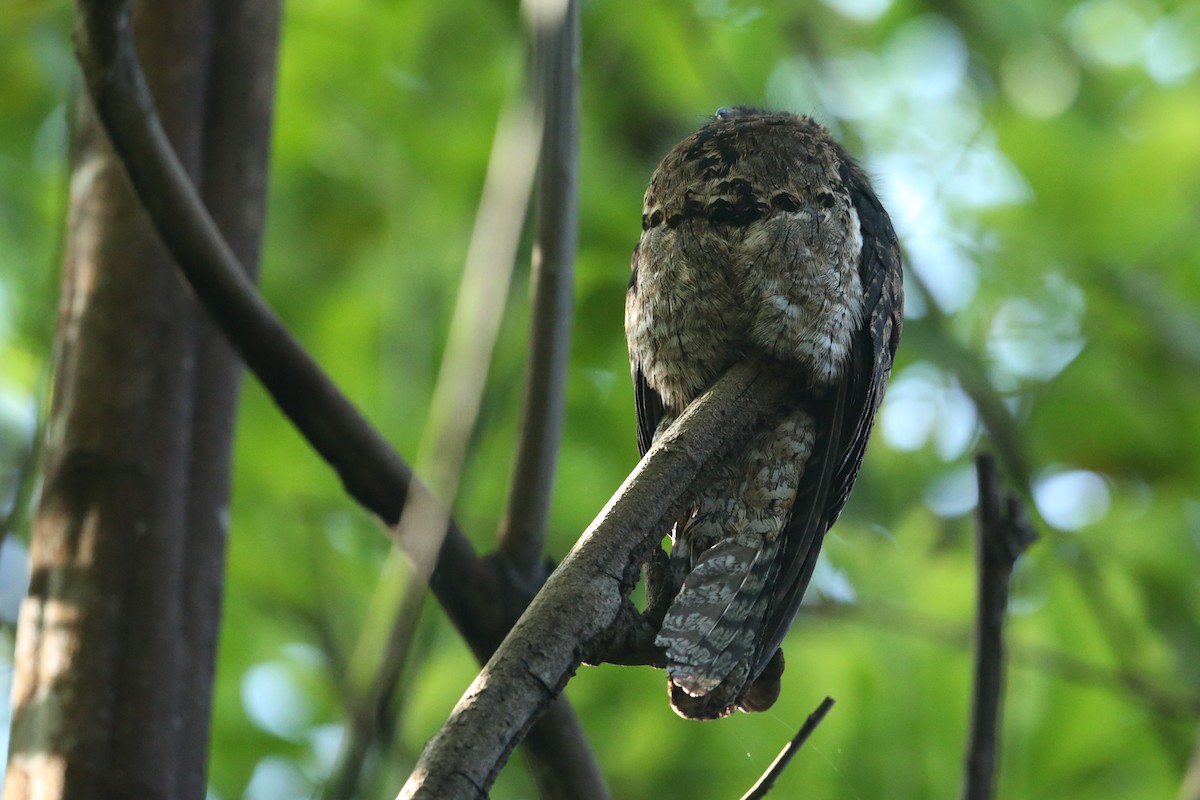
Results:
[565, 767]
[1003, 533]
[555, 30]
[561, 762]
[1004, 436]
[574, 614]
[767, 781]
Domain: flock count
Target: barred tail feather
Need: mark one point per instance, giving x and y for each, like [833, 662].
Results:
[712, 628]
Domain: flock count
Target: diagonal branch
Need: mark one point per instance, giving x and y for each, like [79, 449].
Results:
[767, 781]
[579, 611]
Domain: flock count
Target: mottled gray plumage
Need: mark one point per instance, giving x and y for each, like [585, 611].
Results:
[761, 238]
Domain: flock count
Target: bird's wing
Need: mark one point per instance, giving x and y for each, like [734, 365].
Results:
[649, 409]
[647, 402]
[843, 417]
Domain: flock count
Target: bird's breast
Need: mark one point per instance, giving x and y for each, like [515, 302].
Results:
[705, 295]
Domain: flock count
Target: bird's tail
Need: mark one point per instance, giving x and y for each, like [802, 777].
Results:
[711, 631]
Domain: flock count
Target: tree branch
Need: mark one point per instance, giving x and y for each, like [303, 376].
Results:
[1003, 533]
[575, 615]
[567, 769]
[555, 31]
[1002, 430]
[767, 781]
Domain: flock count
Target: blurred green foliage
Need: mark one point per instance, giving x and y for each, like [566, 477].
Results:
[1042, 164]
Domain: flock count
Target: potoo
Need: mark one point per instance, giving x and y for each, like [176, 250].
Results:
[761, 238]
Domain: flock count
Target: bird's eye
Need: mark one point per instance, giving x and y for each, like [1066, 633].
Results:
[723, 113]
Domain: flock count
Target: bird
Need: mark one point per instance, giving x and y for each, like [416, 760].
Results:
[761, 239]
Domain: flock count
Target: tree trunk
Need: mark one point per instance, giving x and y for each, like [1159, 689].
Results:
[116, 640]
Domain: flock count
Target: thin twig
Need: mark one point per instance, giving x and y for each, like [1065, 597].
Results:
[584, 598]
[1003, 533]
[767, 781]
[555, 29]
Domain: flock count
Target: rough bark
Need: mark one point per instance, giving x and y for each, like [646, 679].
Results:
[116, 642]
